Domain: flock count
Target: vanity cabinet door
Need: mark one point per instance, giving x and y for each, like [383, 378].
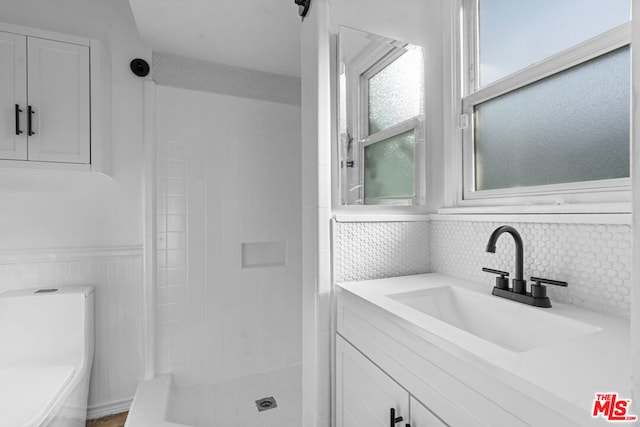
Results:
[364, 393]
[422, 417]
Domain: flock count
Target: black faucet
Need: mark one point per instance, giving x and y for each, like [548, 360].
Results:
[538, 295]
[519, 284]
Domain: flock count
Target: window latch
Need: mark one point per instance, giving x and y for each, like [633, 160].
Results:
[463, 121]
[349, 163]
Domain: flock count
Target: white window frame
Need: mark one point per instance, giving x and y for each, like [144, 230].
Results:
[358, 103]
[612, 195]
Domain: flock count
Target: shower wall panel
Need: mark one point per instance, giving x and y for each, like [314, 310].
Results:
[228, 175]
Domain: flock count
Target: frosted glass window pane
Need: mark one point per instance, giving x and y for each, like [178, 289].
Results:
[395, 93]
[570, 127]
[515, 34]
[388, 169]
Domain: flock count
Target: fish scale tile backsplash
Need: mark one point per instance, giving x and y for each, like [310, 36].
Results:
[594, 259]
[372, 250]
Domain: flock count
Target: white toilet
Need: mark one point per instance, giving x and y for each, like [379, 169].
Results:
[47, 345]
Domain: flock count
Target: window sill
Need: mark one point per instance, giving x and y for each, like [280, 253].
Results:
[379, 213]
[599, 213]
[381, 217]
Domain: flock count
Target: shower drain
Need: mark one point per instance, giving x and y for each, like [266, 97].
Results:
[266, 403]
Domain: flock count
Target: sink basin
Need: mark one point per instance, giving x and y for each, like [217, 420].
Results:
[509, 324]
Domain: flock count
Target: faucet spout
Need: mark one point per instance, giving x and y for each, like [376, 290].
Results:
[518, 292]
[491, 247]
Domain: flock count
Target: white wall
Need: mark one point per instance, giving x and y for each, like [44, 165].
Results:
[255, 34]
[50, 210]
[228, 174]
[45, 213]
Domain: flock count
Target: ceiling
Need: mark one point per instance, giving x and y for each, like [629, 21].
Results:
[259, 34]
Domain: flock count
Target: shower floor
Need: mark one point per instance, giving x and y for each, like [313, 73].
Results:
[233, 403]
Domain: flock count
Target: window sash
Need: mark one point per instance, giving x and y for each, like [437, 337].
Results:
[413, 124]
[586, 191]
[366, 139]
[388, 59]
[578, 54]
[391, 131]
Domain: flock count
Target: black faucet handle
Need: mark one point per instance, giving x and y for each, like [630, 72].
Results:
[504, 274]
[501, 282]
[540, 280]
[540, 291]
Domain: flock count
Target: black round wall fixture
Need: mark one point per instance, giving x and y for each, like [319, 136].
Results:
[140, 67]
[303, 6]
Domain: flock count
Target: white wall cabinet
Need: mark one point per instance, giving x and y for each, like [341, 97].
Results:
[55, 110]
[58, 98]
[366, 395]
[13, 93]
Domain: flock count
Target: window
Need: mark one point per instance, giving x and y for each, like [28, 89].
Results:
[546, 101]
[380, 121]
[391, 92]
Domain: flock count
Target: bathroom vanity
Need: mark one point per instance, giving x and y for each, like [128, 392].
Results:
[432, 350]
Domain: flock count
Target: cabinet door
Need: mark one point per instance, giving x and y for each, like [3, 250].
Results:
[422, 417]
[58, 78]
[364, 393]
[13, 91]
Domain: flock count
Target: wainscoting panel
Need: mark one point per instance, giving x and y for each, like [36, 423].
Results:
[116, 274]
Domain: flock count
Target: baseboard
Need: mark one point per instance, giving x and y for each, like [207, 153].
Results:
[106, 409]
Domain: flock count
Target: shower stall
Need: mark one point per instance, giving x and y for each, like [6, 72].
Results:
[223, 249]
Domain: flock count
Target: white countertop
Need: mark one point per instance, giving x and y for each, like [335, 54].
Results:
[573, 370]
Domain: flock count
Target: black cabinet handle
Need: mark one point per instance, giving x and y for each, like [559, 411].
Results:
[18, 111]
[393, 420]
[30, 114]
